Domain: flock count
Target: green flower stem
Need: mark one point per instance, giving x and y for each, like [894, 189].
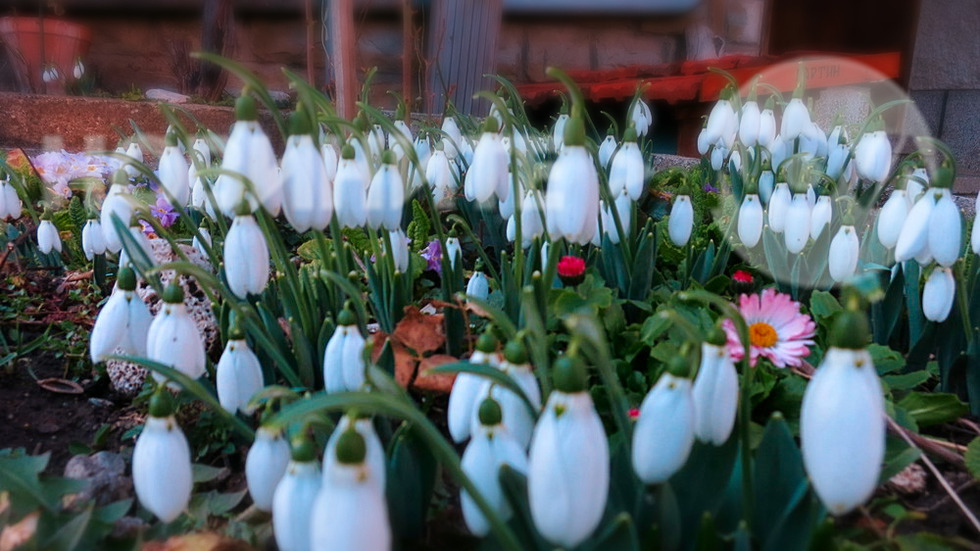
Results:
[251, 81]
[407, 411]
[745, 402]
[536, 338]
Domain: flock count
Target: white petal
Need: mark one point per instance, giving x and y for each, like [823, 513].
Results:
[938, 294]
[292, 506]
[843, 253]
[945, 230]
[914, 237]
[664, 432]
[681, 221]
[265, 465]
[162, 468]
[715, 396]
[892, 218]
[750, 220]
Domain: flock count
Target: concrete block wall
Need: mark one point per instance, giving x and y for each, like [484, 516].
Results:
[945, 81]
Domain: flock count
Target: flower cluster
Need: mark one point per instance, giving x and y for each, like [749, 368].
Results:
[58, 168]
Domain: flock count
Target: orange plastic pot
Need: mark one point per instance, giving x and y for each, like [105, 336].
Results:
[32, 44]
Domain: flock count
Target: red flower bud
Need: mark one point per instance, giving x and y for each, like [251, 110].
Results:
[741, 276]
[571, 270]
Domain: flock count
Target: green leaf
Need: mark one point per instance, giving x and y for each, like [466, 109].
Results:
[779, 463]
[70, 533]
[619, 534]
[205, 473]
[906, 381]
[933, 408]
[885, 359]
[925, 541]
[358, 239]
[412, 472]
[653, 328]
[972, 458]
[898, 455]
[823, 305]
[419, 227]
[19, 476]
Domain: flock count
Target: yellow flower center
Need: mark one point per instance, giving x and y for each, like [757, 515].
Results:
[762, 334]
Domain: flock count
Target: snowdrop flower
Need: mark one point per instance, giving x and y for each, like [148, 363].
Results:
[265, 465]
[78, 70]
[466, 388]
[328, 152]
[402, 130]
[400, 253]
[842, 420]
[767, 126]
[703, 144]
[492, 447]
[749, 123]
[47, 236]
[135, 153]
[820, 216]
[572, 201]
[123, 322]
[722, 124]
[558, 131]
[440, 176]
[173, 172]
[622, 205]
[343, 362]
[292, 502]
[779, 150]
[750, 220]
[238, 375]
[350, 191]
[873, 156]
[796, 120]
[606, 149]
[10, 205]
[506, 207]
[718, 155]
[451, 131]
[162, 474]
[249, 154]
[93, 242]
[350, 511]
[797, 228]
[813, 141]
[568, 467]
[453, 250]
[681, 220]
[246, 257]
[938, 294]
[532, 219]
[203, 243]
[173, 338]
[375, 453]
[766, 185]
[664, 432]
[386, 195]
[715, 393]
[945, 228]
[202, 148]
[517, 419]
[307, 192]
[641, 117]
[143, 248]
[892, 217]
[913, 240]
[844, 250]
[915, 185]
[627, 170]
[478, 286]
[779, 204]
[487, 174]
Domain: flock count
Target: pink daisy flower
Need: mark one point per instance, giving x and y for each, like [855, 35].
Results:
[777, 329]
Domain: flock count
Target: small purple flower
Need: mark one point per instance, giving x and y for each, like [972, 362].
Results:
[432, 254]
[710, 188]
[164, 212]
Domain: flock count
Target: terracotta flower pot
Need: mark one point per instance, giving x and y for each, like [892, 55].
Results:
[32, 44]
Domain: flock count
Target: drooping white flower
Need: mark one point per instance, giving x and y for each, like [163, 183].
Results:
[532, 217]
[627, 170]
[386, 196]
[558, 131]
[350, 511]
[328, 152]
[400, 254]
[715, 395]
[265, 465]
[143, 248]
[718, 155]
[47, 237]
[350, 191]
[945, 229]
[162, 474]
[395, 142]
[307, 192]
[703, 143]
[173, 172]
[238, 375]
[487, 174]
[492, 447]
[606, 150]
[750, 220]
[135, 153]
[204, 242]
[767, 128]
[173, 338]
[439, 175]
[641, 116]
[873, 156]
[343, 361]
[892, 217]
[517, 418]
[722, 125]
[10, 204]
[248, 154]
[913, 240]
[123, 322]
[375, 453]
[246, 257]
[749, 123]
[797, 228]
[478, 286]
[796, 120]
[292, 502]
[202, 148]
[93, 241]
[938, 294]
[767, 183]
[915, 185]
[463, 399]
[779, 204]
[506, 207]
[454, 252]
[820, 216]
[843, 255]
[681, 220]
[842, 429]
[572, 200]
[568, 467]
[664, 432]
[779, 150]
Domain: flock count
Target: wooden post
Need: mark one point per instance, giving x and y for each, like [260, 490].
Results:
[343, 45]
[408, 49]
[310, 25]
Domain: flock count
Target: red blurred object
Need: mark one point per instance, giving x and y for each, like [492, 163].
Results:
[741, 276]
[571, 270]
[33, 43]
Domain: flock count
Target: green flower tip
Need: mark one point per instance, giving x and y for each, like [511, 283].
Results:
[487, 343]
[679, 365]
[347, 152]
[630, 135]
[244, 209]
[716, 336]
[491, 125]
[302, 450]
[351, 448]
[120, 178]
[299, 124]
[160, 403]
[490, 413]
[514, 353]
[236, 333]
[388, 157]
[245, 108]
[173, 294]
[126, 279]
[575, 128]
[171, 139]
[570, 375]
[346, 317]
[46, 215]
[850, 330]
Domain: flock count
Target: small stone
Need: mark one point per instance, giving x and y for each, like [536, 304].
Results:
[910, 481]
[101, 402]
[279, 97]
[166, 95]
[106, 474]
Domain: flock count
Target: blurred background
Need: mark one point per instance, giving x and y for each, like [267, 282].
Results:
[434, 51]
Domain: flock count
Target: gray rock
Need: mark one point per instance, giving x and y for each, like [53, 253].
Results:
[166, 95]
[280, 97]
[106, 476]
